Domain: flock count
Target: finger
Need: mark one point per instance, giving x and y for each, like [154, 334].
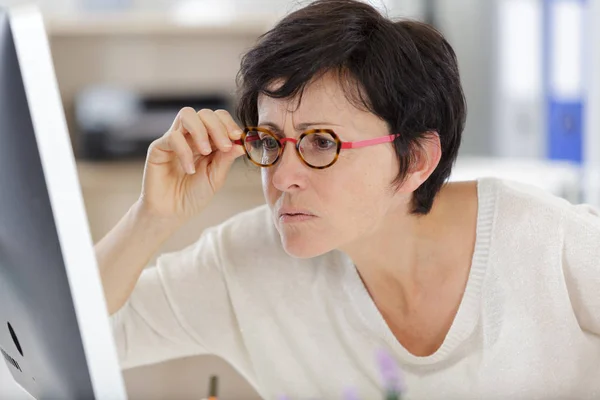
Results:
[221, 165]
[216, 130]
[233, 129]
[177, 142]
[193, 125]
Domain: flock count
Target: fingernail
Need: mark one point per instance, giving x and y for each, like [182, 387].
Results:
[191, 169]
[227, 144]
[206, 148]
[237, 134]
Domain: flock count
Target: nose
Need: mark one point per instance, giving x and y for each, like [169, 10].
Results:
[289, 173]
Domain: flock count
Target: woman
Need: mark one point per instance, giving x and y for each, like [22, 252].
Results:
[482, 290]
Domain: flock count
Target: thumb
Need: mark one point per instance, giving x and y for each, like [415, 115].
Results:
[221, 164]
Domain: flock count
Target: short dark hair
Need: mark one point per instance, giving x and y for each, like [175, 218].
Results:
[403, 71]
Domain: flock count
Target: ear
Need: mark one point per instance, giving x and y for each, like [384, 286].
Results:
[426, 157]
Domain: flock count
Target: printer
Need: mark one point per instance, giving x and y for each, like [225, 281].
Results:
[117, 123]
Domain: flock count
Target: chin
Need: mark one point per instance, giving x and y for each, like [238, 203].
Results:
[300, 246]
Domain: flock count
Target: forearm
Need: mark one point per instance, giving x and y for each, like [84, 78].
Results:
[125, 251]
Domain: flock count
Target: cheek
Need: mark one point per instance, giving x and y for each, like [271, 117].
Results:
[269, 191]
[364, 201]
[364, 195]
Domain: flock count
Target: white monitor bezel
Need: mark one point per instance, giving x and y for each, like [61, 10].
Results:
[64, 190]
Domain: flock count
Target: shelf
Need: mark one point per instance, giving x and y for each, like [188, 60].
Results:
[152, 24]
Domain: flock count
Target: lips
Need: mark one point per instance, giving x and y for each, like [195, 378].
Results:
[288, 214]
[294, 212]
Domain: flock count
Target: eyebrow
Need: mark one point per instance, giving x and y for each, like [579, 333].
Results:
[301, 127]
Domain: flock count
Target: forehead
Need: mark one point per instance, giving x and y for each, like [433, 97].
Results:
[323, 98]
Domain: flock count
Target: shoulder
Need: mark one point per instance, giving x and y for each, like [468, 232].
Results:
[526, 219]
[544, 250]
[521, 195]
[251, 240]
[249, 233]
[254, 220]
[252, 231]
[520, 203]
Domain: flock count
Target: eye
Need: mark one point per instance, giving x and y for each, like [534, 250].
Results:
[269, 143]
[253, 140]
[324, 143]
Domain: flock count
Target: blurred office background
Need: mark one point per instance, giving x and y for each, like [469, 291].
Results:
[530, 70]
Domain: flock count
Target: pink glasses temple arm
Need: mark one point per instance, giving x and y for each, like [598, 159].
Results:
[369, 142]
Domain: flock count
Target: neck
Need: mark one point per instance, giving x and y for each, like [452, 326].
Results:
[398, 256]
[407, 254]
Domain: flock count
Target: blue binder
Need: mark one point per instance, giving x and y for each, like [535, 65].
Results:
[564, 42]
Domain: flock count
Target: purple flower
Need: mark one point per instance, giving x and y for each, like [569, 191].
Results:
[389, 370]
[351, 394]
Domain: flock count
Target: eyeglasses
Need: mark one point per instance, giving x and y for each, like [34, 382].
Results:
[317, 148]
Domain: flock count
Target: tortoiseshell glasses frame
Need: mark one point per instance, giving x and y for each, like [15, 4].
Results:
[246, 142]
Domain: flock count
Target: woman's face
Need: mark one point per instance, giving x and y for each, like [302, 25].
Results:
[314, 210]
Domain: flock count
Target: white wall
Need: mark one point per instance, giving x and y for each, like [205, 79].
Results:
[467, 24]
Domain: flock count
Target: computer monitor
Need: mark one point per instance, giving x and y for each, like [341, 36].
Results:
[55, 334]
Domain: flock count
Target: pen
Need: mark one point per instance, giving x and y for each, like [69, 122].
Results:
[214, 383]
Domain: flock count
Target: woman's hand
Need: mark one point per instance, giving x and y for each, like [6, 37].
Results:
[188, 164]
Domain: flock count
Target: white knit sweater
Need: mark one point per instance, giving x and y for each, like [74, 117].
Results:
[527, 328]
